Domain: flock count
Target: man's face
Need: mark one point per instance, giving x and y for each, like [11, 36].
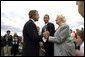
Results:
[46, 19]
[36, 16]
[8, 33]
[78, 40]
[81, 7]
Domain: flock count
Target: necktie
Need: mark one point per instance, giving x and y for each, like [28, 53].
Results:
[44, 28]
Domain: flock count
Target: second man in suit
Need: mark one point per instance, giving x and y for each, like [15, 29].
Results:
[48, 46]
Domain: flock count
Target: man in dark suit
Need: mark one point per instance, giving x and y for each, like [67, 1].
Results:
[30, 35]
[49, 46]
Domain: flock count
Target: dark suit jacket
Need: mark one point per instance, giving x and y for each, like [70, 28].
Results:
[49, 46]
[31, 39]
[9, 41]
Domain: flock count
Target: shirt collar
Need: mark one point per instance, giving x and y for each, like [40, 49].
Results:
[46, 23]
[32, 20]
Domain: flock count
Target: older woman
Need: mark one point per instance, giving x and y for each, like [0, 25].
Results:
[63, 44]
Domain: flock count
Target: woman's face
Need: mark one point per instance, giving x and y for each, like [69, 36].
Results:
[58, 20]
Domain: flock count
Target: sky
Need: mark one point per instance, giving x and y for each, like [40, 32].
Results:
[14, 14]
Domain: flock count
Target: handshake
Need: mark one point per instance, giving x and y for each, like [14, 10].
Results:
[46, 34]
[45, 37]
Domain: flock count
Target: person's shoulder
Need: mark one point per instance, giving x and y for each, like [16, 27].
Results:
[28, 22]
[5, 35]
[50, 23]
[66, 25]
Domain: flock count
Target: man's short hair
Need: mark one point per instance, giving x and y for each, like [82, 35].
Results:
[81, 34]
[32, 12]
[8, 31]
[47, 15]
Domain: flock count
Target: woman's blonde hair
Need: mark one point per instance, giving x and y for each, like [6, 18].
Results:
[62, 18]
